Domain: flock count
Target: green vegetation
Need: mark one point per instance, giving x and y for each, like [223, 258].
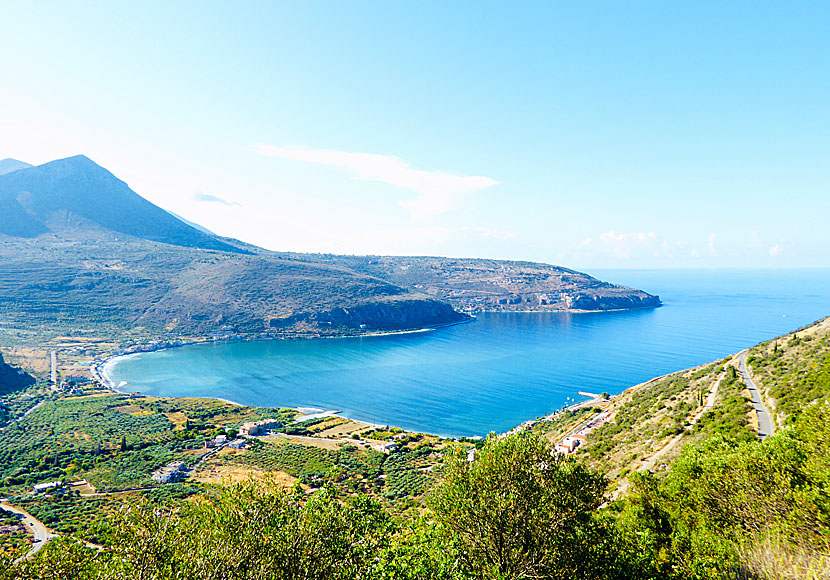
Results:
[87, 518]
[730, 509]
[114, 441]
[13, 537]
[407, 473]
[726, 507]
[729, 416]
[257, 530]
[520, 511]
[795, 371]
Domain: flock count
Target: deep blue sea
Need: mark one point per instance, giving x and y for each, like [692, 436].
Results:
[502, 369]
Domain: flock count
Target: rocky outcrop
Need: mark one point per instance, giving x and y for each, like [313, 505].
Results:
[388, 315]
[393, 315]
[621, 302]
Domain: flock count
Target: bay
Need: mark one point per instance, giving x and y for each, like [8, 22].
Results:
[503, 368]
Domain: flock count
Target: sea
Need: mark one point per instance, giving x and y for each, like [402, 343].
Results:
[501, 369]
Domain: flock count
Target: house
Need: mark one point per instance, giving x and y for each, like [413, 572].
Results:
[220, 439]
[388, 447]
[259, 427]
[43, 487]
[471, 455]
[567, 445]
[237, 444]
[171, 472]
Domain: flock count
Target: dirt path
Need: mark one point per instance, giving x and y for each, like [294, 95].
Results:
[651, 461]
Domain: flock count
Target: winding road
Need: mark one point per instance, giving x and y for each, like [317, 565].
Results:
[41, 532]
[765, 425]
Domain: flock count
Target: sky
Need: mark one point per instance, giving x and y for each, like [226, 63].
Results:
[590, 135]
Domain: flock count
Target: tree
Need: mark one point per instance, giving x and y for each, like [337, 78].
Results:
[521, 511]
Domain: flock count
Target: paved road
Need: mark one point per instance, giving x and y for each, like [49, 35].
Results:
[765, 424]
[41, 532]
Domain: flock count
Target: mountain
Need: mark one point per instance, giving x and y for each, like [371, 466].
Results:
[83, 254]
[9, 165]
[76, 193]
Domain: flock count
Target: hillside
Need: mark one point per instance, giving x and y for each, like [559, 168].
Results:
[102, 284]
[11, 378]
[479, 284]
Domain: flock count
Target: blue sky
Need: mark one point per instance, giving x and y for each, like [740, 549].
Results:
[592, 135]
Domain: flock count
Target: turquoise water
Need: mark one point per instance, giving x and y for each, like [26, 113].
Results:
[494, 373]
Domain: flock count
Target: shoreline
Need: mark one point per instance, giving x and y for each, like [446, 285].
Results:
[100, 369]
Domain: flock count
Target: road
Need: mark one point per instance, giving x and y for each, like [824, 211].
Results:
[765, 424]
[41, 532]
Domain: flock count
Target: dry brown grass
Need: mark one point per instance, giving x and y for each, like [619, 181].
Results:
[329, 444]
[219, 473]
[178, 419]
[344, 428]
[773, 558]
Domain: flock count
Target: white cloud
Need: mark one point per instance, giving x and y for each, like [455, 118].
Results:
[210, 198]
[776, 250]
[639, 247]
[710, 244]
[438, 192]
[491, 233]
[623, 245]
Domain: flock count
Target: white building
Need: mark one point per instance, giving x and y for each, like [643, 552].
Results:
[42, 487]
[259, 427]
[168, 473]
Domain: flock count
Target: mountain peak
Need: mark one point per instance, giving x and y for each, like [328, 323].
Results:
[51, 196]
[8, 165]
